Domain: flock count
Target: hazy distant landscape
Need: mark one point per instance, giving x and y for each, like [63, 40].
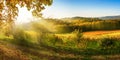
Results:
[73, 38]
[110, 17]
[90, 31]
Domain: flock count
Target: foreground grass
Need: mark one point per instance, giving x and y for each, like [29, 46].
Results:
[9, 52]
[14, 52]
[58, 47]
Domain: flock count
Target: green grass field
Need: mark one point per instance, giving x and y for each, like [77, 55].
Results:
[61, 40]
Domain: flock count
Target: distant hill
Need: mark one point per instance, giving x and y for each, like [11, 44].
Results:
[110, 17]
[77, 17]
[86, 18]
[104, 17]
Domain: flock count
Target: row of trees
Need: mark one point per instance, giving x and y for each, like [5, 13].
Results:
[85, 24]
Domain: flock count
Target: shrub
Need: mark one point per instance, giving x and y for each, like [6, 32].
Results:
[107, 43]
[48, 39]
[71, 43]
[52, 39]
[78, 35]
[21, 38]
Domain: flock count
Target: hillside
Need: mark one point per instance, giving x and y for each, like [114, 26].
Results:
[110, 17]
[62, 39]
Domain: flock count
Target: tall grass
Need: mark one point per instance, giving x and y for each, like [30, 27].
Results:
[22, 38]
[66, 37]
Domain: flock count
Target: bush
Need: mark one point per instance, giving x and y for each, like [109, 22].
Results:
[49, 39]
[78, 34]
[71, 43]
[21, 38]
[107, 43]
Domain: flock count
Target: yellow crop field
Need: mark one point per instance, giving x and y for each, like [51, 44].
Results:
[93, 35]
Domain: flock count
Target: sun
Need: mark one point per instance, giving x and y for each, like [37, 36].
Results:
[24, 15]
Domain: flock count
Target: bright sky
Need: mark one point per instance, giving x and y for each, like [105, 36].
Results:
[70, 8]
[24, 15]
[84, 8]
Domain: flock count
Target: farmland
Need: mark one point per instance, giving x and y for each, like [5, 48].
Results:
[65, 39]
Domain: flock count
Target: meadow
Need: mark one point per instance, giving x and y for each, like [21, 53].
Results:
[62, 39]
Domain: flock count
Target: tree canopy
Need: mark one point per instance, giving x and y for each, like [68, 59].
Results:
[9, 10]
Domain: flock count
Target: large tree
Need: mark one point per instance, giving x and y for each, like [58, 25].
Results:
[9, 8]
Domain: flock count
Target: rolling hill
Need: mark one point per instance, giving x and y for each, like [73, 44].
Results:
[110, 17]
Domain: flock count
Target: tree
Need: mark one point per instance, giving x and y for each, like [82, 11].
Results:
[9, 10]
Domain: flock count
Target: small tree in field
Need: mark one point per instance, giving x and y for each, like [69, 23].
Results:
[9, 10]
[78, 34]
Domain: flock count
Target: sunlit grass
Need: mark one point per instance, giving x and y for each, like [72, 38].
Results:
[4, 37]
[94, 35]
[33, 36]
[63, 40]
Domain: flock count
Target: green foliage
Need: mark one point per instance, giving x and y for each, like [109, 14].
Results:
[51, 39]
[21, 38]
[69, 43]
[93, 44]
[35, 5]
[9, 10]
[78, 35]
[107, 43]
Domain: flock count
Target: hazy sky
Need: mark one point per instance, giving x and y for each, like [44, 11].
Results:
[71, 8]
[84, 8]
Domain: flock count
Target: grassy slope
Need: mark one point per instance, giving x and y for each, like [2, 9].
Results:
[9, 52]
[101, 34]
[13, 52]
[95, 34]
